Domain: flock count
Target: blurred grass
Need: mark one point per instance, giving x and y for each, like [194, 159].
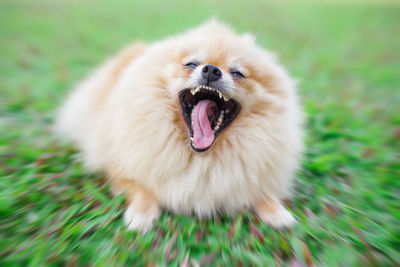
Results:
[347, 58]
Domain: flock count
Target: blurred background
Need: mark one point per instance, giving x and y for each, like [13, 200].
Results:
[346, 57]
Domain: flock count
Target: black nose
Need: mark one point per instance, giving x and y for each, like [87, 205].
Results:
[211, 73]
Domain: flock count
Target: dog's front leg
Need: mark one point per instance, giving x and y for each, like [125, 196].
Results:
[142, 207]
[273, 213]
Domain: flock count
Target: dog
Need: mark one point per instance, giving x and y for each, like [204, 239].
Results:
[200, 123]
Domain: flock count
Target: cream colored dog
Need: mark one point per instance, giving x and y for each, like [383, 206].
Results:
[203, 122]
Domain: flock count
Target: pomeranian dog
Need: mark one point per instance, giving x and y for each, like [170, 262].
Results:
[203, 122]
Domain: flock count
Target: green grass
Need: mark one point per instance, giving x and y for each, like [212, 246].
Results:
[347, 57]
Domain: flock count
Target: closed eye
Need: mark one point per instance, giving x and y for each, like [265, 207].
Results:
[237, 74]
[191, 65]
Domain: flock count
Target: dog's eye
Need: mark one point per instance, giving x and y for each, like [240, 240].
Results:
[237, 74]
[191, 65]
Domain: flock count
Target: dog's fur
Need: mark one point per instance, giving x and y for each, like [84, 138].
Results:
[126, 119]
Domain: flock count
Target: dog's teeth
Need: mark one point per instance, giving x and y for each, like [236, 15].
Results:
[198, 89]
[220, 95]
[221, 116]
[220, 120]
[192, 91]
[226, 98]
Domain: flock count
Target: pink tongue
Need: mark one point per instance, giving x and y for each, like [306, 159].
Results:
[203, 135]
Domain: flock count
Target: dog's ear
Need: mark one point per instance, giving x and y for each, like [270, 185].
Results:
[214, 25]
[126, 56]
[250, 38]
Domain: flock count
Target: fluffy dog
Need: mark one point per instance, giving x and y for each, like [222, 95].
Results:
[202, 122]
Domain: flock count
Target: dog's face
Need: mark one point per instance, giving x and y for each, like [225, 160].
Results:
[208, 107]
[219, 78]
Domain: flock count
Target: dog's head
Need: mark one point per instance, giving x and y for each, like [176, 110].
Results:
[221, 79]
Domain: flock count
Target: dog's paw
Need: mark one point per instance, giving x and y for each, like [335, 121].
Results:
[279, 219]
[274, 214]
[137, 219]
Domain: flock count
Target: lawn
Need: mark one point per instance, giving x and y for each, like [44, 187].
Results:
[347, 59]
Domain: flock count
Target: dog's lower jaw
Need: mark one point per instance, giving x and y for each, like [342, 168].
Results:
[273, 213]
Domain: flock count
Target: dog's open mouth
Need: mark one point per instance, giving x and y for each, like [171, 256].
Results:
[206, 112]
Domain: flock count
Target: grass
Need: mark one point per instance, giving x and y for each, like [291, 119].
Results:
[348, 191]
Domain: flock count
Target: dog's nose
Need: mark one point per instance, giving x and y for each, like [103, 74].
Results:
[211, 73]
